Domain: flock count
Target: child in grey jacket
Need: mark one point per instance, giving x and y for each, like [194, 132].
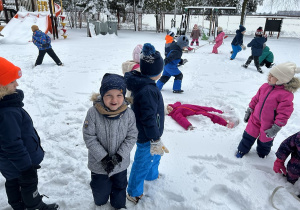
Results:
[109, 132]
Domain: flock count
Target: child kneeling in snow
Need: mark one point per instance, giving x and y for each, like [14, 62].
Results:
[109, 132]
[291, 145]
[270, 109]
[179, 112]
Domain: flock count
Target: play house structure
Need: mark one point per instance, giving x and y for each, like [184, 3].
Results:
[20, 13]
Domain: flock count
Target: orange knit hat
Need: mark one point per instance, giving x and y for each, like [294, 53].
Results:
[8, 72]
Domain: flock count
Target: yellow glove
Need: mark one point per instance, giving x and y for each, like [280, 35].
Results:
[158, 148]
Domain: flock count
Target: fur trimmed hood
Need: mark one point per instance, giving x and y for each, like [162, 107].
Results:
[292, 85]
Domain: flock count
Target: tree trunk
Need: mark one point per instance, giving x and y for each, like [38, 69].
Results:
[243, 15]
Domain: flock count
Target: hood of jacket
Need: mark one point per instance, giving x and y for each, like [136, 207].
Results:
[135, 81]
[292, 85]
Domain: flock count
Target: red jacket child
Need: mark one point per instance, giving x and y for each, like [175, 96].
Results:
[179, 112]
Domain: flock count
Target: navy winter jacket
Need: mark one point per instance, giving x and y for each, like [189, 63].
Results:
[148, 106]
[20, 146]
[174, 55]
[257, 45]
[41, 40]
[238, 39]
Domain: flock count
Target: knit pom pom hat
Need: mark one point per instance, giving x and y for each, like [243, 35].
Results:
[259, 31]
[171, 33]
[136, 53]
[242, 28]
[8, 72]
[34, 28]
[284, 72]
[151, 63]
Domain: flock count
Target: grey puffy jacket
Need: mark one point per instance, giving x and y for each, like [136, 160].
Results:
[104, 136]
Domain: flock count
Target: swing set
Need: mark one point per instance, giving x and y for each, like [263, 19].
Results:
[212, 14]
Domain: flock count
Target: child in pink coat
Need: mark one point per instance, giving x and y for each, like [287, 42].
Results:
[219, 40]
[179, 112]
[270, 109]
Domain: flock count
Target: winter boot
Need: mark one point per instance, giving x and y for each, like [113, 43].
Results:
[43, 206]
[245, 66]
[177, 91]
[192, 43]
[239, 154]
[197, 43]
[259, 70]
[135, 200]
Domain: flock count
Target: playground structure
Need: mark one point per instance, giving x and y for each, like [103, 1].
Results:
[212, 14]
[42, 13]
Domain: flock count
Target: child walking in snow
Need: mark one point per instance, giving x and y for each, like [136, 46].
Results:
[109, 132]
[169, 40]
[20, 145]
[179, 112]
[256, 49]
[195, 35]
[267, 57]
[270, 109]
[219, 40]
[133, 64]
[237, 42]
[148, 107]
[43, 43]
[171, 65]
[291, 145]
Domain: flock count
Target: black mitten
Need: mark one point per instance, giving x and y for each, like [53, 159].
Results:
[110, 167]
[45, 45]
[116, 159]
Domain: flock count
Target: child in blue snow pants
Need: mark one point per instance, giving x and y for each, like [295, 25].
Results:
[144, 167]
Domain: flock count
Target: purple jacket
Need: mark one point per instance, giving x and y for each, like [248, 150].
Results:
[271, 104]
[291, 145]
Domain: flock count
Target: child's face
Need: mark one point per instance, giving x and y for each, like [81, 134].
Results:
[243, 32]
[113, 99]
[272, 80]
[169, 109]
[12, 86]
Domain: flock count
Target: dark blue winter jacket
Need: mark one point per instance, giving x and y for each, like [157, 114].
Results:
[238, 39]
[20, 146]
[257, 45]
[173, 57]
[148, 106]
[41, 40]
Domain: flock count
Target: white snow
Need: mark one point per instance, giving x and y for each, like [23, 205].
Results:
[201, 171]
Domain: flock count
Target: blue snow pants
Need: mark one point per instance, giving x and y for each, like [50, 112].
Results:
[144, 167]
[114, 187]
[235, 49]
[167, 73]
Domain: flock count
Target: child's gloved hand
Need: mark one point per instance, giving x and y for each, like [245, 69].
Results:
[247, 114]
[158, 148]
[107, 164]
[270, 133]
[279, 166]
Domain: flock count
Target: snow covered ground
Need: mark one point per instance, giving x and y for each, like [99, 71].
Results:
[201, 171]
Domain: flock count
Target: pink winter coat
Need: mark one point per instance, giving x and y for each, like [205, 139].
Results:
[271, 104]
[181, 111]
[219, 38]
